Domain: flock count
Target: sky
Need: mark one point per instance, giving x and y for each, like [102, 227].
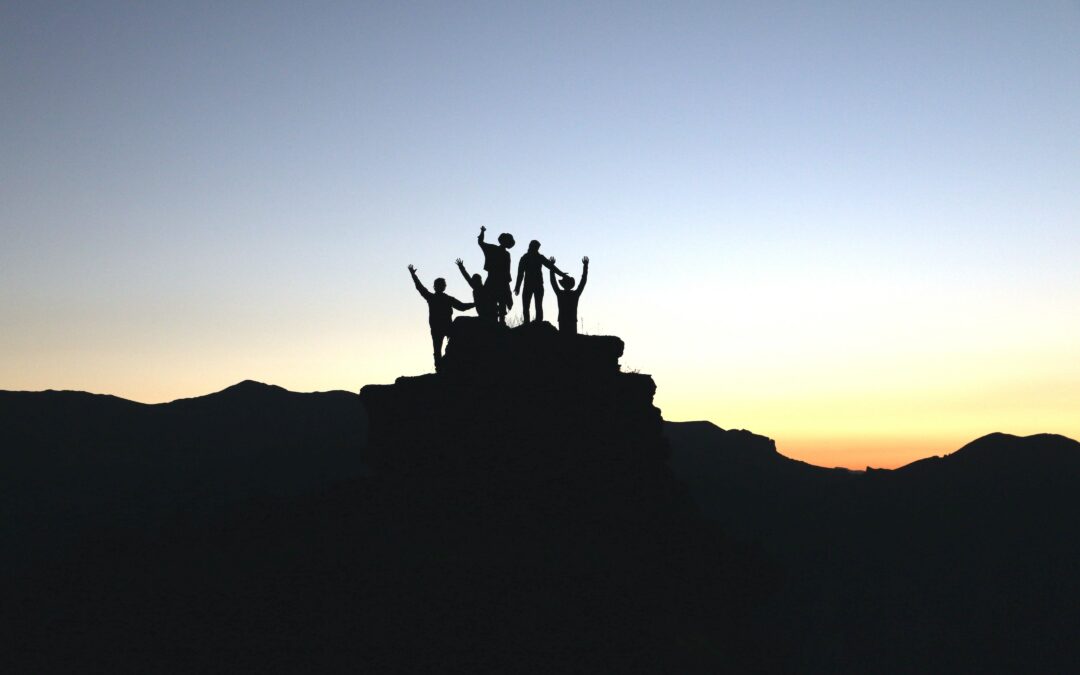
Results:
[853, 227]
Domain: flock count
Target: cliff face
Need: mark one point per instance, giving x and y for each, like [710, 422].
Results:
[530, 418]
[528, 482]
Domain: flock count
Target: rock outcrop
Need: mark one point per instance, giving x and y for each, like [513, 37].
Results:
[527, 418]
[537, 471]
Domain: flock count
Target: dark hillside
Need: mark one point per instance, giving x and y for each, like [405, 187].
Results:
[481, 541]
[741, 481]
[543, 465]
[968, 560]
[527, 509]
[74, 463]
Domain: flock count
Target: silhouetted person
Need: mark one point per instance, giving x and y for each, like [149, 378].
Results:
[530, 270]
[440, 312]
[497, 265]
[485, 306]
[568, 297]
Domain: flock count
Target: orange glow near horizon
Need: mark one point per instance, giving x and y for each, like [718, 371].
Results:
[853, 231]
[844, 389]
[838, 423]
[842, 362]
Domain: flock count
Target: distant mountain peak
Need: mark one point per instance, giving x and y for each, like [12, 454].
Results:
[246, 390]
[999, 441]
[1009, 452]
[251, 386]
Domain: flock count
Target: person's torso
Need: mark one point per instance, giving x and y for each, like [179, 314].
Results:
[440, 309]
[497, 262]
[480, 299]
[568, 305]
[534, 269]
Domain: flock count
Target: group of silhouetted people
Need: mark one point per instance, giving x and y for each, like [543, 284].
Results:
[492, 298]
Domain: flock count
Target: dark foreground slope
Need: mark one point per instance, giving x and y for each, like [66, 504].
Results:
[540, 471]
[519, 517]
[150, 538]
[73, 464]
[969, 561]
[962, 563]
[741, 481]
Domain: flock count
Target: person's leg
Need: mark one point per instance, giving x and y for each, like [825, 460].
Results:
[494, 293]
[436, 346]
[525, 300]
[538, 298]
[507, 301]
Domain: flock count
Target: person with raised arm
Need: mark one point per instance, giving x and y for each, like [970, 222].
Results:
[440, 311]
[531, 271]
[485, 308]
[568, 297]
[497, 265]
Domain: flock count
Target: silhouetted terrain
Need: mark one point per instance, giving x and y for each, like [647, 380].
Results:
[538, 472]
[74, 461]
[526, 509]
[962, 563]
[741, 481]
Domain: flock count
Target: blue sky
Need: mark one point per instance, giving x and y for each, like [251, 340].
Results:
[845, 225]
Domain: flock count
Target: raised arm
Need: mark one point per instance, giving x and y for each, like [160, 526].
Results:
[554, 283]
[484, 246]
[550, 264]
[464, 273]
[584, 274]
[419, 286]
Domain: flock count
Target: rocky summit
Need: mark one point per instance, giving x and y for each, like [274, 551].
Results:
[527, 416]
[538, 471]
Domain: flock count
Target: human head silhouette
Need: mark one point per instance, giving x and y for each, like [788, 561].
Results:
[440, 285]
[567, 282]
[477, 280]
[534, 246]
[506, 240]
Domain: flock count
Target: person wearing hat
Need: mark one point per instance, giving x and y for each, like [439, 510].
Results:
[497, 266]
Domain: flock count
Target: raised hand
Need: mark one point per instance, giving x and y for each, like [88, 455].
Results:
[556, 271]
[483, 229]
[459, 263]
[585, 261]
[412, 268]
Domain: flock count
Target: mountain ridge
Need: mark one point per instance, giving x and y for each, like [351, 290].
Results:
[258, 484]
[245, 387]
[253, 388]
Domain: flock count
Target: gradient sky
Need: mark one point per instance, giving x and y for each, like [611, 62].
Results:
[851, 226]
